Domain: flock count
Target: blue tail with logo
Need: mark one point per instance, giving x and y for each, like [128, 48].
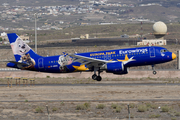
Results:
[25, 57]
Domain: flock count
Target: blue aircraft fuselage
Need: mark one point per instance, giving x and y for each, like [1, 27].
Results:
[114, 61]
[141, 56]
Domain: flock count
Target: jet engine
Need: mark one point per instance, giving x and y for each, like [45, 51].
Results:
[116, 68]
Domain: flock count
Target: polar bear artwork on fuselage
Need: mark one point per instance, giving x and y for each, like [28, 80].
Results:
[63, 61]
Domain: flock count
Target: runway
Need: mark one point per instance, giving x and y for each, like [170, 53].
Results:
[103, 84]
[140, 74]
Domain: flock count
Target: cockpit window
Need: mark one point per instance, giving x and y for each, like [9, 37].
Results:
[164, 50]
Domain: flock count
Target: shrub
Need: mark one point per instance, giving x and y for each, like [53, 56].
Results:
[39, 110]
[148, 105]
[154, 106]
[26, 100]
[62, 103]
[177, 114]
[114, 106]
[173, 118]
[118, 109]
[87, 105]
[81, 107]
[132, 105]
[47, 76]
[54, 109]
[154, 116]
[100, 106]
[165, 109]
[142, 108]
[131, 116]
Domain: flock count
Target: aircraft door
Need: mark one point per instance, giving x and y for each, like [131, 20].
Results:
[40, 63]
[152, 52]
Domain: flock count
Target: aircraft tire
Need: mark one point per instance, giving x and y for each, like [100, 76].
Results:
[98, 78]
[94, 77]
[154, 72]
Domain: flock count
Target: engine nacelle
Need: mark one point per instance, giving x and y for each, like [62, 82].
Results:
[116, 68]
[125, 71]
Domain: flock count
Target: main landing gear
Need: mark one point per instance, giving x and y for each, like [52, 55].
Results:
[154, 72]
[96, 77]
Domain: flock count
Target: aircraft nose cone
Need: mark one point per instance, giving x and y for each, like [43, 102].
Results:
[173, 56]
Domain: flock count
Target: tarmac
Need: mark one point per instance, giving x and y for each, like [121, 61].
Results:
[131, 74]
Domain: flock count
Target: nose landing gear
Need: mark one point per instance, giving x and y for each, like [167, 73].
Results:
[154, 71]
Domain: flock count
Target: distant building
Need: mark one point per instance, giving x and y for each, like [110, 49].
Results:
[25, 38]
[153, 42]
[86, 36]
[5, 4]
[3, 34]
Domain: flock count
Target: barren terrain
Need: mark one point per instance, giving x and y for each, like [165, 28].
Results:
[80, 99]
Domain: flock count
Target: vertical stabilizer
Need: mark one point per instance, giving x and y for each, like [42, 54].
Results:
[20, 49]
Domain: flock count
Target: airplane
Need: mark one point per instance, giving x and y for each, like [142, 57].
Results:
[112, 61]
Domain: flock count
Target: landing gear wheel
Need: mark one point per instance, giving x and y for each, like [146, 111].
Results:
[98, 78]
[94, 77]
[154, 72]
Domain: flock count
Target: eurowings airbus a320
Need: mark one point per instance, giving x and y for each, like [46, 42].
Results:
[113, 61]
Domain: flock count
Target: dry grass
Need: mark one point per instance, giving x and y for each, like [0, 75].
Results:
[39, 109]
[100, 106]
[165, 108]
[142, 108]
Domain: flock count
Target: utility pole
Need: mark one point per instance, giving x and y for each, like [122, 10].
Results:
[141, 32]
[35, 15]
[129, 112]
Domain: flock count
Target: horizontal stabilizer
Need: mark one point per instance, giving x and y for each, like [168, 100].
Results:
[18, 63]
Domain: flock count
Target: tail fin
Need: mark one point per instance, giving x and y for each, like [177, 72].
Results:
[20, 48]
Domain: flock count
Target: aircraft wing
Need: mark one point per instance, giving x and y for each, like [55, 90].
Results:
[87, 60]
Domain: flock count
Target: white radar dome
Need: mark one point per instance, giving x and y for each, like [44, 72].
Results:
[160, 28]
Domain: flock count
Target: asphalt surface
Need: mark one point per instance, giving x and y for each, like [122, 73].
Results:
[115, 100]
[102, 84]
